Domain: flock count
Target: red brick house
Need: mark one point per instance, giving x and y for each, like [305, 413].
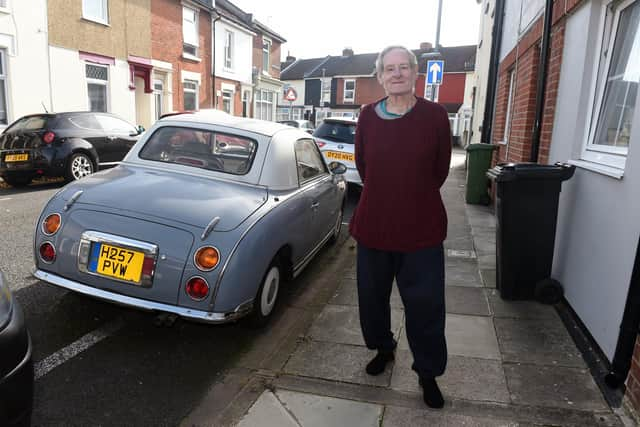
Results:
[266, 71]
[582, 108]
[181, 51]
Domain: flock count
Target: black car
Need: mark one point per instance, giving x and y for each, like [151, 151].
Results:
[16, 366]
[71, 145]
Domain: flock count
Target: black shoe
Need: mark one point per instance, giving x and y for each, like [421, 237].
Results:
[378, 363]
[431, 393]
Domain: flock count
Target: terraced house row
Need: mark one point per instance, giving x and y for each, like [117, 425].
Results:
[136, 58]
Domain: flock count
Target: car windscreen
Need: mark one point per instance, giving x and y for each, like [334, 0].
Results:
[29, 123]
[336, 131]
[198, 148]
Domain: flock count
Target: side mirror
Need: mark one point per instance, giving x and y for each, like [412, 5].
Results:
[309, 131]
[337, 168]
[140, 129]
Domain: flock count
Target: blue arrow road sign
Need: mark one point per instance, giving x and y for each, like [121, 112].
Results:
[435, 68]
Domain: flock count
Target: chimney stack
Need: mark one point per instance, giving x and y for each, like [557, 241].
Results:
[347, 51]
[426, 45]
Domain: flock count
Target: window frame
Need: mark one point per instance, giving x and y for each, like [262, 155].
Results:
[104, 19]
[607, 156]
[324, 171]
[352, 98]
[262, 104]
[511, 75]
[104, 83]
[158, 97]
[185, 44]
[267, 52]
[228, 93]
[228, 49]
[195, 91]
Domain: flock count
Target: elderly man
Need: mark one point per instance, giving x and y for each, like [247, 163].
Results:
[402, 150]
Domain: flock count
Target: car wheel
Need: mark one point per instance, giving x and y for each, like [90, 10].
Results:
[17, 180]
[267, 298]
[337, 227]
[80, 165]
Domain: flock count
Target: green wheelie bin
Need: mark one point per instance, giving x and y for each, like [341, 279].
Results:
[478, 163]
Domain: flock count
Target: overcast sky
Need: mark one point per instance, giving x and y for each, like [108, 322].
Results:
[318, 29]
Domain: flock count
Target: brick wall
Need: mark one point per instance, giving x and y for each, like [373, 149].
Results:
[368, 90]
[633, 380]
[523, 62]
[452, 88]
[237, 97]
[166, 45]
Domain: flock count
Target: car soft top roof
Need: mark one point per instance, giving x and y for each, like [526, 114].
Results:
[218, 117]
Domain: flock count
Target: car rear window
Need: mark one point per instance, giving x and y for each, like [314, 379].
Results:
[30, 123]
[336, 131]
[202, 149]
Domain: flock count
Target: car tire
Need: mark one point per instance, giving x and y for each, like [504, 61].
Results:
[79, 166]
[17, 180]
[266, 300]
[337, 227]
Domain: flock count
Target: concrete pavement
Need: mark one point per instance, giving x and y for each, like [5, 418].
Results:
[510, 363]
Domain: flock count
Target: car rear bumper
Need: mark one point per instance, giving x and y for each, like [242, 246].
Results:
[16, 368]
[188, 313]
[352, 176]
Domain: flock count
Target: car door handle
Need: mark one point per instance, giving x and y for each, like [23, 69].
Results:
[315, 205]
[112, 138]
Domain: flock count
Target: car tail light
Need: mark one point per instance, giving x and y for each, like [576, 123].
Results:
[197, 288]
[47, 252]
[206, 258]
[48, 137]
[320, 144]
[51, 224]
[148, 268]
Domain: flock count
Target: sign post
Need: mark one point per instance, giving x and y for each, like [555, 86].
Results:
[435, 71]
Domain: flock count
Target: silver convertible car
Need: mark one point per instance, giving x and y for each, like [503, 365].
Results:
[203, 219]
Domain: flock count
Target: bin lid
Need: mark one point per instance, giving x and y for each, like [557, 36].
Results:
[476, 146]
[530, 171]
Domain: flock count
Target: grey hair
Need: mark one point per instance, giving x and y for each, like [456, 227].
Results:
[413, 61]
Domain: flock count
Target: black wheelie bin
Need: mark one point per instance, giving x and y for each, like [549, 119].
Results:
[526, 208]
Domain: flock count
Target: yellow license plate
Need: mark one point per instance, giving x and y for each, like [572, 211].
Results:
[123, 264]
[16, 157]
[339, 156]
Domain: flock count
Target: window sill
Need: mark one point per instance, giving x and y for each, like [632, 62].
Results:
[227, 69]
[96, 21]
[191, 57]
[598, 168]
[5, 10]
[503, 142]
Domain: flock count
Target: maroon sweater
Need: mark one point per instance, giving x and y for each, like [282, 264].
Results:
[402, 163]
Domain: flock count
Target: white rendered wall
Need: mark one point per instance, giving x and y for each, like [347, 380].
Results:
[598, 225]
[23, 37]
[298, 86]
[518, 17]
[242, 53]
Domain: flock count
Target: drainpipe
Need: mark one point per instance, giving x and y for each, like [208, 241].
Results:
[628, 330]
[542, 81]
[213, 57]
[496, 40]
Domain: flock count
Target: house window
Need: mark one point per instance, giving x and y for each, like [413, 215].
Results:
[326, 91]
[349, 90]
[264, 104]
[617, 86]
[228, 50]
[3, 88]
[507, 120]
[189, 31]
[246, 97]
[94, 10]
[227, 101]
[97, 82]
[266, 54]
[157, 97]
[190, 88]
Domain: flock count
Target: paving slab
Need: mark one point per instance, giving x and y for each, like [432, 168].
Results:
[341, 324]
[519, 309]
[488, 277]
[408, 417]
[462, 272]
[311, 410]
[537, 341]
[487, 260]
[465, 378]
[553, 386]
[466, 300]
[347, 294]
[338, 362]
[267, 412]
[469, 336]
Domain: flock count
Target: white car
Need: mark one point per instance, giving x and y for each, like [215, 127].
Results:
[335, 138]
